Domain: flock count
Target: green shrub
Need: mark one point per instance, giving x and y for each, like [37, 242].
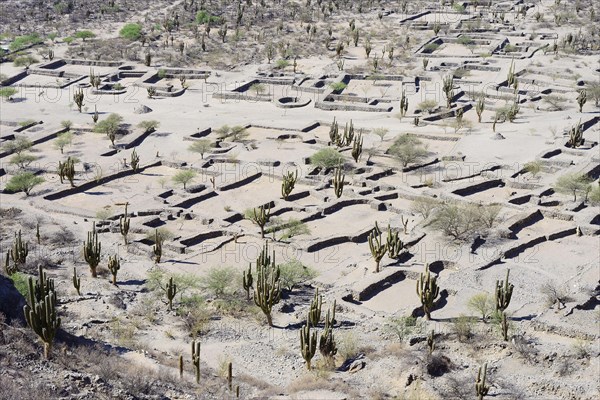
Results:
[24, 182]
[84, 35]
[21, 42]
[20, 281]
[7, 92]
[404, 327]
[293, 273]
[282, 63]
[482, 304]
[338, 86]
[220, 281]
[327, 158]
[131, 31]
[463, 327]
[203, 17]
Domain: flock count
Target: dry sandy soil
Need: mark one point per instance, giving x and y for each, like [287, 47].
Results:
[285, 104]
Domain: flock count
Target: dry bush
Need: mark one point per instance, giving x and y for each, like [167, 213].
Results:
[554, 294]
[462, 326]
[137, 380]
[438, 365]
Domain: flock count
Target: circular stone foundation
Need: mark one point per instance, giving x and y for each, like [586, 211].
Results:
[292, 102]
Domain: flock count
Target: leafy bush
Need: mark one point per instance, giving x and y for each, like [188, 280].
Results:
[84, 35]
[293, 273]
[149, 125]
[427, 105]
[424, 206]
[408, 149]
[203, 17]
[7, 92]
[109, 125]
[20, 281]
[338, 86]
[220, 281]
[24, 182]
[573, 183]
[184, 177]
[463, 327]
[327, 158]
[131, 31]
[18, 145]
[25, 61]
[21, 42]
[406, 326]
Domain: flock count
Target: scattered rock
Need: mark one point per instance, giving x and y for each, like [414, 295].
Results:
[142, 109]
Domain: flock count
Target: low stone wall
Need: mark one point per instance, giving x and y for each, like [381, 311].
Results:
[92, 184]
[479, 187]
[187, 203]
[241, 182]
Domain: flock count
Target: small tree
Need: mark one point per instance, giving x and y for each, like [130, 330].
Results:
[424, 206]
[22, 160]
[294, 273]
[18, 145]
[110, 126]
[573, 183]
[481, 303]
[184, 177]
[24, 182]
[200, 146]
[533, 167]
[457, 220]
[381, 132]
[408, 149]
[63, 140]
[25, 61]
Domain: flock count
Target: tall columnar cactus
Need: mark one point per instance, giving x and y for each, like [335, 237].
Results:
[43, 285]
[196, 359]
[448, 88]
[510, 76]
[95, 115]
[504, 326]
[338, 182]
[124, 222]
[267, 291]
[314, 313]
[247, 280]
[480, 107]
[66, 170]
[114, 265]
[76, 281]
[8, 268]
[261, 216]
[431, 342]
[394, 244]
[308, 343]
[582, 99]
[357, 147]
[378, 249]
[428, 291]
[92, 249]
[171, 292]
[78, 99]
[327, 345]
[19, 250]
[37, 233]
[230, 376]
[135, 161]
[40, 313]
[403, 103]
[287, 185]
[180, 366]
[334, 132]
[157, 248]
[504, 292]
[481, 389]
[575, 135]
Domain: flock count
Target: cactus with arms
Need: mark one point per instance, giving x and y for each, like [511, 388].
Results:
[394, 243]
[357, 147]
[260, 217]
[135, 161]
[267, 291]
[378, 249]
[40, 312]
[480, 387]
[196, 359]
[581, 99]
[428, 291]
[576, 135]
[171, 292]
[327, 345]
[338, 182]
[114, 265]
[66, 170]
[448, 88]
[289, 180]
[78, 99]
[504, 292]
[403, 103]
[19, 250]
[314, 313]
[308, 343]
[91, 250]
[124, 222]
[247, 280]
[480, 107]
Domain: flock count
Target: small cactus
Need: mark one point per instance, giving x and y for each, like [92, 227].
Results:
[503, 292]
[230, 376]
[247, 280]
[327, 345]
[448, 88]
[196, 359]
[78, 99]
[308, 343]
[261, 216]
[378, 249]
[171, 292]
[157, 248]
[395, 246]
[95, 115]
[19, 250]
[66, 170]
[180, 366]
[575, 136]
[581, 99]
[428, 291]
[338, 182]
[431, 342]
[124, 222]
[403, 103]
[480, 387]
[289, 180]
[92, 249]
[135, 161]
[114, 265]
[357, 147]
[314, 313]
[76, 281]
[480, 107]
[504, 326]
